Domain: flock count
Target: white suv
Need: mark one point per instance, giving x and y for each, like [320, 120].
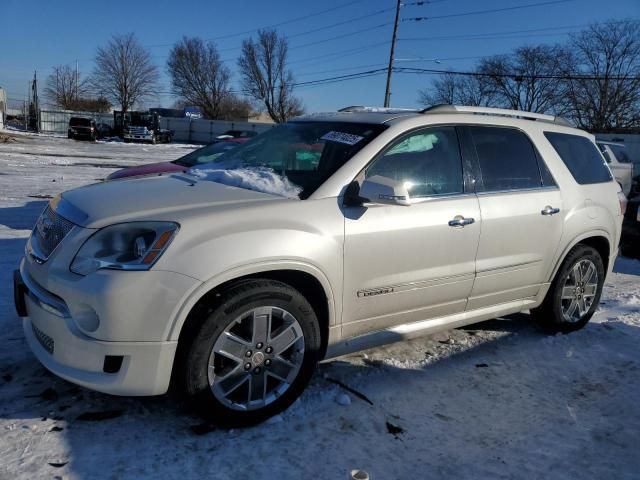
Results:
[388, 224]
[619, 163]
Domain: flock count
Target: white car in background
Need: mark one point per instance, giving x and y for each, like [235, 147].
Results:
[621, 166]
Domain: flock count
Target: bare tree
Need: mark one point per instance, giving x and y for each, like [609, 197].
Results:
[64, 87]
[265, 77]
[526, 79]
[124, 73]
[609, 51]
[453, 89]
[234, 107]
[199, 76]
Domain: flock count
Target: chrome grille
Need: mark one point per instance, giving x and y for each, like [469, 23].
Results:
[45, 340]
[138, 131]
[49, 231]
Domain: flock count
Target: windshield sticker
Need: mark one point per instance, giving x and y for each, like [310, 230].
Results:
[340, 137]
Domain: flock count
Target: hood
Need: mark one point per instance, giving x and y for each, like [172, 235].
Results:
[149, 198]
[148, 169]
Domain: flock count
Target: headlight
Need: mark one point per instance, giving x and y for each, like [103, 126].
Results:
[124, 246]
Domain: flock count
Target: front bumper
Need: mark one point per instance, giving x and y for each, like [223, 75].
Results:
[128, 353]
[132, 136]
[143, 369]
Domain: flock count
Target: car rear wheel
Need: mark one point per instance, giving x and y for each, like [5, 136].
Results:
[252, 354]
[575, 292]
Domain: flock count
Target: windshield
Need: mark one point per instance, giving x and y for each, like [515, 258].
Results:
[620, 152]
[80, 122]
[304, 154]
[143, 120]
[205, 154]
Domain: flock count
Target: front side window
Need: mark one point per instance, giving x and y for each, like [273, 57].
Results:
[507, 159]
[427, 161]
[304, 153]
[581, 157]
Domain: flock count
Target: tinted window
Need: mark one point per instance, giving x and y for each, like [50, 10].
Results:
[547, 178]
[428, 161]
[507, 159]
[621, 153]
[581, 157]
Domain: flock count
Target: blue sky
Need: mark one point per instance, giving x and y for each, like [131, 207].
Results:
[38, 34]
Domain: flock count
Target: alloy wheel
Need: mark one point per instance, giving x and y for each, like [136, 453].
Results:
[256, 358]
[579, 290]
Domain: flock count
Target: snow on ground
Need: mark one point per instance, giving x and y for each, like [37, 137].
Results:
[495, 400]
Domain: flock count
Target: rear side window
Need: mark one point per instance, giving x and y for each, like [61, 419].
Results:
[581, 157]
[507, 159]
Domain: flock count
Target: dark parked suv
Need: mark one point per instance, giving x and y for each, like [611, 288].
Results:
[80, 127]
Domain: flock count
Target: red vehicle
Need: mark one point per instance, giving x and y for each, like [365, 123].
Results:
[197, 157]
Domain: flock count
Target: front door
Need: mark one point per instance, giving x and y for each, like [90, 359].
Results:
[407, 263]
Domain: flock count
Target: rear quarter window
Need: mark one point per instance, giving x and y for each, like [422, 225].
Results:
[581, 157]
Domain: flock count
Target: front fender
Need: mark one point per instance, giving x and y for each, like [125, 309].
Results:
[250, 269]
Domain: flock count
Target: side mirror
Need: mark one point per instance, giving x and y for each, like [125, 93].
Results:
[384, 191]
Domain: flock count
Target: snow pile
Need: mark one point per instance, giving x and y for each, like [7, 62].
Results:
[259, 179]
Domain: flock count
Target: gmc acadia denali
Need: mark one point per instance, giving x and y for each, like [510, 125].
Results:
[401, 223]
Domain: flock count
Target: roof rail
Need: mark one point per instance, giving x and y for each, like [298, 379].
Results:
[444, 108]
[362, 108]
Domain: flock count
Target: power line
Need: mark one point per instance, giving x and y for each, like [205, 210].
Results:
[341, 77]
[350, 34]
[430, 71]
[340, 54]
[286, 22]
[341, 69]
[344, 22]
[481, 12]
[475, 36]
[326, 27]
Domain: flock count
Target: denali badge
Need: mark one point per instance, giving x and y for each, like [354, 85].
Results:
[375, 291]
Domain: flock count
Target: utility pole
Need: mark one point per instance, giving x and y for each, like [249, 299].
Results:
[387, 92]
[77, 80]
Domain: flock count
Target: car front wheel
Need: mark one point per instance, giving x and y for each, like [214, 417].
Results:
[575, 292]
[252, 354]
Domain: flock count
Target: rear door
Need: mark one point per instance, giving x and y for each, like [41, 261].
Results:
[522, 216]
[407, 263]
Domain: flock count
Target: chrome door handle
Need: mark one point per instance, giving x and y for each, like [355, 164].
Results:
[460, 221]
[549, 210]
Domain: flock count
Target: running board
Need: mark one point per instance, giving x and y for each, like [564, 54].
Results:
[425, 327]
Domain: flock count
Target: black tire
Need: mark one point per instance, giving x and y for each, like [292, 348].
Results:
[210, 323]
[550, 314]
